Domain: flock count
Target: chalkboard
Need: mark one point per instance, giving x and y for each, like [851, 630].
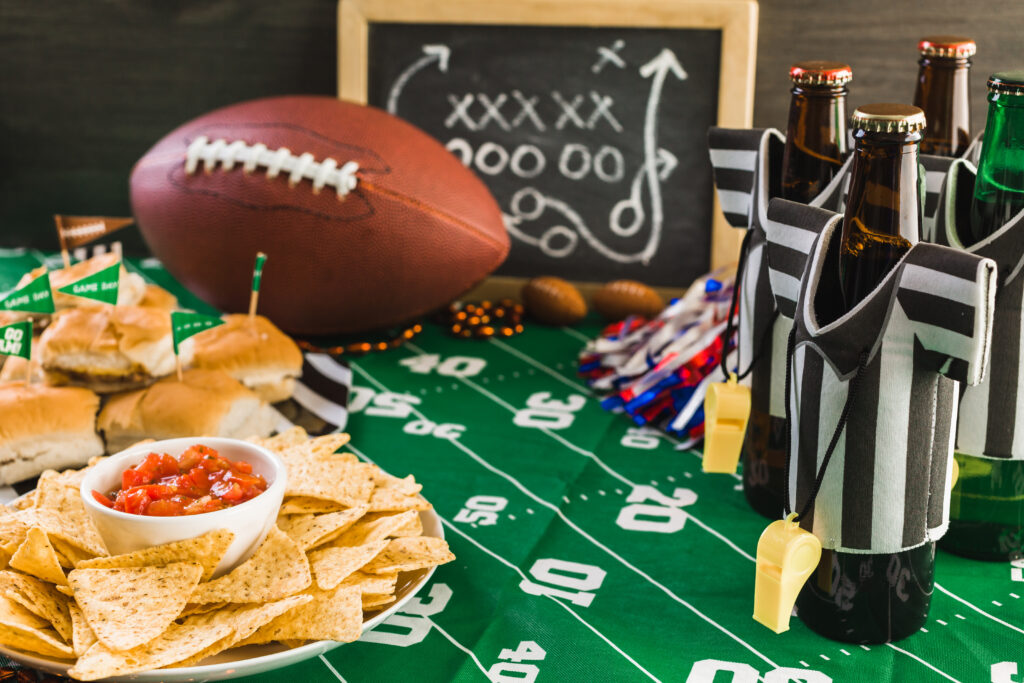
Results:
[593, 139]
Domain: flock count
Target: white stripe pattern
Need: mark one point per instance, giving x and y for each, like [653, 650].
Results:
[736, 159]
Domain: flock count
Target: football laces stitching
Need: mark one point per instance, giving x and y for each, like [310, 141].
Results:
[301, 167]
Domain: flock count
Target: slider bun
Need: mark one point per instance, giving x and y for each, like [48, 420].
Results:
[253, 351]
[203, 403]
[130, 290]
[15, 367]
[110, 348]
[44, 427]
[155, 296]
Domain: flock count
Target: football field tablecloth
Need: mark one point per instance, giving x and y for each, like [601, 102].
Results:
[590, 550]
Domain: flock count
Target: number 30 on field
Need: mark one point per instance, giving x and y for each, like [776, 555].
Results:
[544, 412]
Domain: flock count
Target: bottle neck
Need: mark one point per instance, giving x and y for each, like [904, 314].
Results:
[816, 140]
[943, 92]
[885, 194]
[999, 187]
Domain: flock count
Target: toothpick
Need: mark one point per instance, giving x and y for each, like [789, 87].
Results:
[257, 274]
[177, 364]
[28, 373]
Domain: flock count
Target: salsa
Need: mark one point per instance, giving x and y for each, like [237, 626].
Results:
[201, 480]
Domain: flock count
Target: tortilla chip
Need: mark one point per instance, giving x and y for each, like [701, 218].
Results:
[196, 608]
[38, 597]
[309, 531]
[314, 449]
[26, 501]
[36, 641]
[408, 554]
[65, 590]
[61, 513]
[243, 620]
[206, 550]
[37, 557]
[383, 500]
[300, 505]
[325, 479]
[178, 642]
[82, 635]
[369, 530]
[331, 615]
[12, 612]
[129, 606]
[288, 642]
[331, 566]
[68, 555]
[281, 441]
[13, 530]
[406, 486]
[276, 570]
[375, 601]
[370, 584]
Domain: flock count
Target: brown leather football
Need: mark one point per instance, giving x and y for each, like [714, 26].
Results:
[366, 220]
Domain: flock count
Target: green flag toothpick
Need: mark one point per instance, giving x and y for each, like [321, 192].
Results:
[257, 275]
[16, 339]
[184, 325]
[101, 285]
[35, 297]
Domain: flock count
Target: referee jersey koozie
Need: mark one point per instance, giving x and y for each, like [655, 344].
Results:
[747, 164]
[987, 506]
[929, 321]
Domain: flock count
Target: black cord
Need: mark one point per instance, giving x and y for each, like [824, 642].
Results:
[843, 418]
[730, 328]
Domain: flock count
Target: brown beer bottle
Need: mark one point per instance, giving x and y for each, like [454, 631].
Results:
[883, 210]
[943, 93]
[816, 145]
[854, 597]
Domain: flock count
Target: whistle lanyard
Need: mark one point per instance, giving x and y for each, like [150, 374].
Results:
[730, 328]
[843, 417]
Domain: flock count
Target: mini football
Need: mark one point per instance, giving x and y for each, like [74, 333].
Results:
[367, 221]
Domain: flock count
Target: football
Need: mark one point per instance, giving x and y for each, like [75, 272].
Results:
[367, 221]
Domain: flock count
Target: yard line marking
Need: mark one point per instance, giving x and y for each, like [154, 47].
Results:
[553, 599]
[333, 670]
[997, 603]
[980, 611]
[460, 646]
[588, 454]
[579, 335]
[913, 656]
[578, 387]
[561, 515]
[540, 366]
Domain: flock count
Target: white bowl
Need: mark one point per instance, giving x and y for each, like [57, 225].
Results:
[249, 521]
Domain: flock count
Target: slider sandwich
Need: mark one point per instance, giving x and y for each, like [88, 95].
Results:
[155, 296]
[44, 427]
[253, 351]
[202, 403]
[110, 348]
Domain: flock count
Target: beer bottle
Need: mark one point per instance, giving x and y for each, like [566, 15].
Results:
[987, 504]
[999, 188]
[943, 93]
[816, 145]
[854, 597]
[884, 206]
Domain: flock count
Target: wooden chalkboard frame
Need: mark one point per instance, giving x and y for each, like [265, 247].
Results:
[737, 20]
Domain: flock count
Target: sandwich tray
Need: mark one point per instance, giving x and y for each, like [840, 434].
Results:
[255, 659]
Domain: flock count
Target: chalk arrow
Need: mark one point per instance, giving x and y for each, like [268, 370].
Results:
[665, 61]
[431, 53]
[668, 162]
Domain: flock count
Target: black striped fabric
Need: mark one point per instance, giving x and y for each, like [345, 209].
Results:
[319, 403]
[992, 411]
[926, 326]
[746, 163]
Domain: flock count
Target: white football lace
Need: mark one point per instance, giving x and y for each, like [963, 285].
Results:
[304, 166]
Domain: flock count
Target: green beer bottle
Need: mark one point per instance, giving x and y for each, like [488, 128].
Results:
[987, 504]
[999, 189]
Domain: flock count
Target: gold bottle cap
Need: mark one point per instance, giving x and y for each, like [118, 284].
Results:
[820, 73]
[1007, 82]
[947, 46]
[888, 118]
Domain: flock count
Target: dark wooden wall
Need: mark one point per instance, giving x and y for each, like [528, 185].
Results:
[86, 86]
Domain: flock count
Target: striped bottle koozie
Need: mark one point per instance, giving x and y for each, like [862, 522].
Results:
[928, 322]
[992, 411]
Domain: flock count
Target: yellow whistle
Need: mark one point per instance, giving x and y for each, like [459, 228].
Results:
[956, 474]
[786, 556]
[726, 411]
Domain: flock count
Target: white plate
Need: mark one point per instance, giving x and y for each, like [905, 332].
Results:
[254, 659]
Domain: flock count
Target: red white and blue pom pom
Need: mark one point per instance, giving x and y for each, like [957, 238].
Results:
[657, 371]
